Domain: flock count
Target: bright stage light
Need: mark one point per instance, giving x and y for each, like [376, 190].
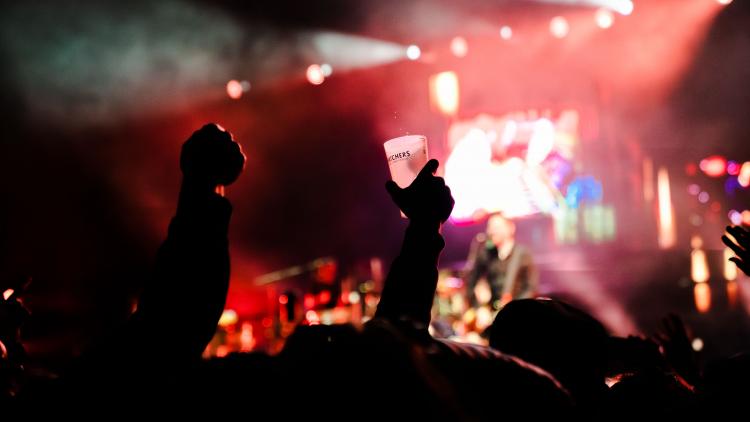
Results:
[735, 217]
[698, 262]
[444, 92]
[315, 74]
[623, 7]
[559, 27]
[730, 269]
[459, 46]
[697, 344]
[228, 317]
[312, 317]
[505, 164]
[724, 2]
[234, 89]
[542, 142]
[604, 18]
[744, 177]
[702, 293]
[506, 32]
[667, 231]
[247, 342]
[326, 69]
[413, 52]
[714, 166]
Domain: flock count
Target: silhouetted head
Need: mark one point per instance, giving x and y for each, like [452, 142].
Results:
[211, 155]
[725, 385]
[500, 229]
[650, 392]
[557, 337]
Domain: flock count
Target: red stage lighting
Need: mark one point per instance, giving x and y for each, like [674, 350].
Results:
[315, 74]
[312, 318]
[324, 297]
[714, 166]
[309, 301]
[234, 89]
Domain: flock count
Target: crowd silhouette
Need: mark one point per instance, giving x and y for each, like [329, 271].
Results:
[546, 359]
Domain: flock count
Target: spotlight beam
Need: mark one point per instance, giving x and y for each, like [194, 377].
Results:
[623, 7]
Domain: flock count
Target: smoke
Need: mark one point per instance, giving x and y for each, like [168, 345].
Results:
[96, 61]
[99, 62]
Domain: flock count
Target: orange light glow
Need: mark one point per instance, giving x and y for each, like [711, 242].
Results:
[247, 342]
[8, 293]
[444, 93]
[228, 317]
[744, 177]
[732, 292]
[315, 74]
[667, 232]
[702, 294]
[699, 266]
[730, 269]
[234, 89]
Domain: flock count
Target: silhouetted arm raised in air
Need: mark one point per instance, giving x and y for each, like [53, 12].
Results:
[181, 305]
[410, 286]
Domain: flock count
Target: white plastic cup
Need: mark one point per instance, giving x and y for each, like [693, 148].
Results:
[406, 156]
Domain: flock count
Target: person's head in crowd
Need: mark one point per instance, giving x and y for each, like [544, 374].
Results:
[557, 337]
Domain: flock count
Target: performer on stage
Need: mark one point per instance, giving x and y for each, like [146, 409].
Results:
[507, 266]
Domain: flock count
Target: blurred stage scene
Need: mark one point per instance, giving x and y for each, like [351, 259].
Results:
[612, 132]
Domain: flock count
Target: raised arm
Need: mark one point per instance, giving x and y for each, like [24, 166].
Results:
[410, 286]
[182, 303]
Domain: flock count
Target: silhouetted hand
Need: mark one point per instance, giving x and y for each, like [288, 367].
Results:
[427, 199]
[740, 246]
[211, 157]
[677, 347]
